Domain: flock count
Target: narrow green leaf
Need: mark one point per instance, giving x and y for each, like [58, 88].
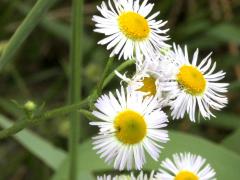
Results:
[39, 147]
[59, 29]
[8, 106]
[232, 141]
[23, 31]
[216, 36]
[226, 32]
[3, 44]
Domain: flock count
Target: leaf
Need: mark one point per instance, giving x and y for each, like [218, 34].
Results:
[59, 29]
[216, 36]
[63, 175]
[187, 29]
[224, 161]
[10, 107]
[29, 23]
[38, 146]
[3, 44]
[232, 141]
[225, 120]
[226, 32]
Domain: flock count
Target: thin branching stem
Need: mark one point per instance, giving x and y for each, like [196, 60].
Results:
[15, 128]
[23, 123]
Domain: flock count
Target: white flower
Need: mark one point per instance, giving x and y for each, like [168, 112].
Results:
[130, 123]
[129, 29]
[194, 87]
[141, 176]
[149, 72]
[185, 166]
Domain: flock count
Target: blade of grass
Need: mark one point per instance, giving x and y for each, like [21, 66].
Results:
[23, 31]
[3, 44]
[41, 148]
[57, 28]
[75, 84]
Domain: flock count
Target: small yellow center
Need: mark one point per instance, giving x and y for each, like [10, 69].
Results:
[191, 80]
[130, 127]
[133, 25]
[186, 175]
[149, 86]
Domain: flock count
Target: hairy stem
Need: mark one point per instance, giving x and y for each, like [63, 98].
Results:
[75, 84]
[15, 128]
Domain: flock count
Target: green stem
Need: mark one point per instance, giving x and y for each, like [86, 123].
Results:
[24, 30]
[20, 82]
[88, 115]
[21, 124]
[62, 110]
[105, 72]
[119, 68]
[75, 84]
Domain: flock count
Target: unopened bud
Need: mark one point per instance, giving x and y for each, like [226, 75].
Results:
[30, 106]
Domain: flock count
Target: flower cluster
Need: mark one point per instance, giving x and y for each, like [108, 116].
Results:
[132, 121]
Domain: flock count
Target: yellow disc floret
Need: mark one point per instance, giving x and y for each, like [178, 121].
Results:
[149, 86]
[130, 127]
[186, 175]
[133, 25]
[191, 80]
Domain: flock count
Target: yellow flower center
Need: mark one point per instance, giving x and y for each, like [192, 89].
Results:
[186, 175]
[133, 25]
[149, 85]
[130, 127]
[191, 80]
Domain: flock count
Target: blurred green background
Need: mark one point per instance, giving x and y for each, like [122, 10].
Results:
[40, 73]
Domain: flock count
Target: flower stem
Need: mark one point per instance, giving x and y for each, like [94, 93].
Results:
[105, 72]
[75, 84]
[25, 122]
[15, 128]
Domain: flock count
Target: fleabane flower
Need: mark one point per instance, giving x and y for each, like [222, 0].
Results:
[129, 28]
[150, 71]
[130, 125]
[141, 176]
[185, 166]
[194, 87]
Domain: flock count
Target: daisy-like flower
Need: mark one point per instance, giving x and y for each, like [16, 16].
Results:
[129, 29]
[194, 87]
[144, 80]
[149, 72]
[130, 123]
[185, 166]
[141, 176]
